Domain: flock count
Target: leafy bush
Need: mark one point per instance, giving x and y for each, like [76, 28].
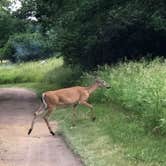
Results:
[123, 30]
[64, 76]
[27, 47]
[98, 32]
[95, 32]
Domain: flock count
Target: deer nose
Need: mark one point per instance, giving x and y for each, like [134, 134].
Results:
[108, 87]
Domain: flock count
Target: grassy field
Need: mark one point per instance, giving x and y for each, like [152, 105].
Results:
[129, 132]
[116, 138]
[27, 72]
[136, 86]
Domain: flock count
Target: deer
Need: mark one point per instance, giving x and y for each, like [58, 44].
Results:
[61, 98]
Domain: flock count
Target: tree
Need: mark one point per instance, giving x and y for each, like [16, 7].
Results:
[8, 24]
[95, 32]
[2, 54]
[27, 47]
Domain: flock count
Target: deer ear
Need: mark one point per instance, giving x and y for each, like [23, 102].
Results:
[97, 78]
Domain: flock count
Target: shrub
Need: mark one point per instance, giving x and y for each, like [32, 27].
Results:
[27, 47]
[124, 29]
[98, 32]
[64, 76]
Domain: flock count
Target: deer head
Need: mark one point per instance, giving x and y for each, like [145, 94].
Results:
[102, 83]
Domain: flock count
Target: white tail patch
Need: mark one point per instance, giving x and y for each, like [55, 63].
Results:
[44, 102]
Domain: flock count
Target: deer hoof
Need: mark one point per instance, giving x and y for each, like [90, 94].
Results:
[93, 119]
[29, 132]
[52, 133]
[73, 125]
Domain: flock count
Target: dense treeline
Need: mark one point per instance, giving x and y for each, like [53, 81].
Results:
[20, 39]
[90, 32]
[8, 26]
[95, 32]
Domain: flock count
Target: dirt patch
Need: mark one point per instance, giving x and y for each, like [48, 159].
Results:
[16, 147]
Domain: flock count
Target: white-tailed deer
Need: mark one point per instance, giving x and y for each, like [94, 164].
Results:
[66, 97]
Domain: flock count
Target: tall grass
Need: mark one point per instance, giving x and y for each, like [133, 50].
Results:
[115, 138]
[27, 72]
[137, 86]
[118, 136]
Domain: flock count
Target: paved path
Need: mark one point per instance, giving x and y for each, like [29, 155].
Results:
[16, 147]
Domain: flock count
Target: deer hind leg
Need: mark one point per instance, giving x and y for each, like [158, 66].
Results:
[46, 121]
[74, 115]
[32, 124]
[85, 103]
[36, 114]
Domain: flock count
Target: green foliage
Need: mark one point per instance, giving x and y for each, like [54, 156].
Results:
[27, 72]
[27, 47]
[121, 134]
[8, 26]
[95, 32]
[2, 54]
[64, 76]
[137, 86]
[116, 137]
[4, 3]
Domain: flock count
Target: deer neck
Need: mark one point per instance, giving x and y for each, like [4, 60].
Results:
[92, 88]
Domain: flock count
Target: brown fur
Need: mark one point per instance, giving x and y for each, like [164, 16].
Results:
[67, 97]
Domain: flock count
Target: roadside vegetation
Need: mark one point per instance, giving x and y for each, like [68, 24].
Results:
[95, 38]
[27, 72]
[130, 127]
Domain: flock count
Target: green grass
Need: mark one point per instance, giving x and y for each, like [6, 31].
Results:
[116, 138]
[27, 72]
[137, 86]
[122, 134]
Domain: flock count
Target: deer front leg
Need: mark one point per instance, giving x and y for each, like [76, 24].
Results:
[36, 114]
[93, 117]
[47, 123]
